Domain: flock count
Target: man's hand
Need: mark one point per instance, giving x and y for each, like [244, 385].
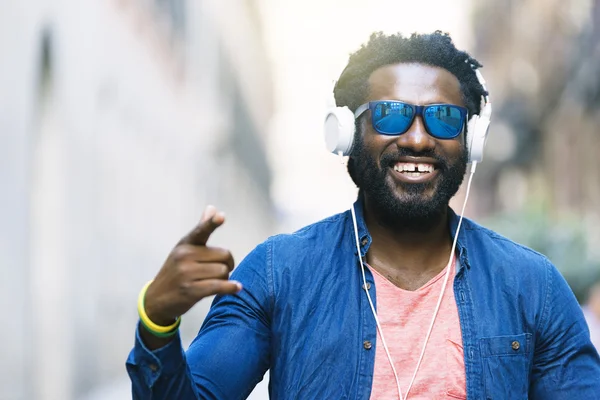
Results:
[191, 272]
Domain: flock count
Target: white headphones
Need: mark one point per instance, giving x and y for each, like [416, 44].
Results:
[340, 127]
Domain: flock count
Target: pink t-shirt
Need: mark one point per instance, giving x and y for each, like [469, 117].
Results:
[405, 317]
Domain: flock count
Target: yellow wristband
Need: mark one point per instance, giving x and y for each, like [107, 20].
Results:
[147, 322]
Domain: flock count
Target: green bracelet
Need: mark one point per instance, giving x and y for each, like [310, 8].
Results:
[162, 334]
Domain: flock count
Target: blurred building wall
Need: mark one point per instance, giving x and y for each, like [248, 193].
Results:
[120, 121]
[542, 63]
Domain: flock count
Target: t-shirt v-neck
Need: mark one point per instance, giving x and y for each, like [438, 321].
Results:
[405, 317]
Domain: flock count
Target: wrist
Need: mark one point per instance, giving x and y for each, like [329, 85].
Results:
[158, 327]
[156, 317]
[151, 341]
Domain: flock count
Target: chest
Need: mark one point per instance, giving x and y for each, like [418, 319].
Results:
[329, 330]
[404, 319]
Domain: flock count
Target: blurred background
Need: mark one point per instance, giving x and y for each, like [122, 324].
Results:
[120, 120]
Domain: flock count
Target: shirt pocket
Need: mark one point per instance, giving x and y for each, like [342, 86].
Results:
[506, 366]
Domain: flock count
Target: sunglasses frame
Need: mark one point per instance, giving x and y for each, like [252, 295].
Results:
[417, 111]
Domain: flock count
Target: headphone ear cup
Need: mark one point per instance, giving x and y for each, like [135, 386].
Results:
[471, 128]
[477, 132]
[339, 130]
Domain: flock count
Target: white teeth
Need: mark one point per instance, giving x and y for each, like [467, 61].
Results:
[410, 168]
[425, 168]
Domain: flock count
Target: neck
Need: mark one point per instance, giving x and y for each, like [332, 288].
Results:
[407, 247]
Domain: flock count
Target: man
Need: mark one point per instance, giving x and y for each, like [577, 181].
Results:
[506, 325]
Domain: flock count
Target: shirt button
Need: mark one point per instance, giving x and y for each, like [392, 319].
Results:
[515, 345]
[364, 241]
[367, 345]
[367, 286]
[153, 367]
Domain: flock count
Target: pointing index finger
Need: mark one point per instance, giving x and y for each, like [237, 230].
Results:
[211, 220]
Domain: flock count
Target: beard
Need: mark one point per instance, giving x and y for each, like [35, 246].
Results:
[412, 209]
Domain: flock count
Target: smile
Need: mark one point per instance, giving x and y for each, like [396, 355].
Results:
[414, 172]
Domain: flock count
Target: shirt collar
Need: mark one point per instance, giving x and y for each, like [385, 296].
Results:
[461, 244]
[365, 238]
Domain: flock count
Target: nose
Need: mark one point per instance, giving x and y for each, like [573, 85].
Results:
[416, 138]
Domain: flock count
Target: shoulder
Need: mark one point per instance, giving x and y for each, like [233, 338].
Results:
[292, 247]
[516, 276]
[287, 264]
[493, 249]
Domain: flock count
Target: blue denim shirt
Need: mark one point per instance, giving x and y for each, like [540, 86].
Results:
[304, 315]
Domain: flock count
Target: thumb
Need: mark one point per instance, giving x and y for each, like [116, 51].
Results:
[211, 220]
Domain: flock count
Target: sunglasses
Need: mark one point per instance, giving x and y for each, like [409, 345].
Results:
[389, 117]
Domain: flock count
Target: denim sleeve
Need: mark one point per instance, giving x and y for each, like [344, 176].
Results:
[159, 374]
[566, 364]
[229, 356]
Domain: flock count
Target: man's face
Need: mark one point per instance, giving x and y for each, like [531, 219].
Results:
[386, 167]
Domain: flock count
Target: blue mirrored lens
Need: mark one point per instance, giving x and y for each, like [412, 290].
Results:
[392, 118]
[444, 121]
